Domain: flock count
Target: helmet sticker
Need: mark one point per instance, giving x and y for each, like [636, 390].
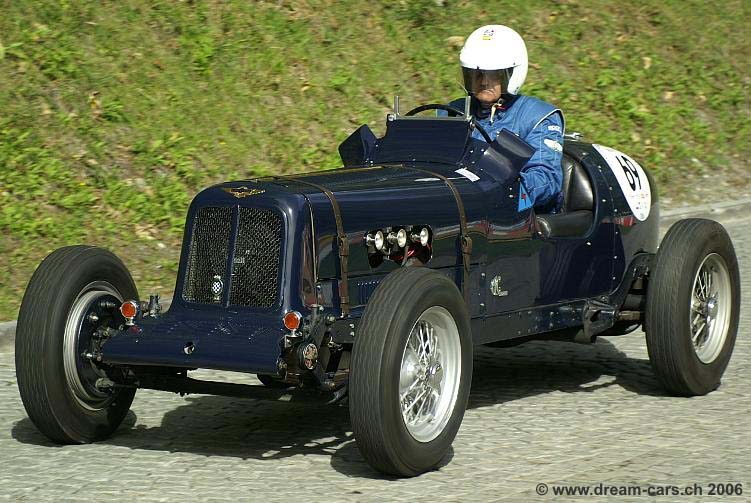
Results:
[488, 34]
[631, 178]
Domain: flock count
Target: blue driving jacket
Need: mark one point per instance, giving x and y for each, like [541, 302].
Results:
[542, 126]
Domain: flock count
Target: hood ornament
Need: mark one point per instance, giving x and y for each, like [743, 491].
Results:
[240, 192]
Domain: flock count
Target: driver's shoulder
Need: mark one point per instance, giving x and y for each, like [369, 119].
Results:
[536, 110]
[534, 105]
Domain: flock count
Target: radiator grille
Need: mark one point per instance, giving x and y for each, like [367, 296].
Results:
[207, 254]
[255, 268]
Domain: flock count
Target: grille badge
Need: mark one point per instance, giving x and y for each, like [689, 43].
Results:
[217, 287]
[240, 192]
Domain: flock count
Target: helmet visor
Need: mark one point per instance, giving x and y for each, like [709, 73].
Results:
[476, 80]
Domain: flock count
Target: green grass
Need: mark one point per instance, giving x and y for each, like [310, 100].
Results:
[114, 114]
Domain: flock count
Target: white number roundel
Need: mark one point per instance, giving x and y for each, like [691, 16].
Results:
[632, 179]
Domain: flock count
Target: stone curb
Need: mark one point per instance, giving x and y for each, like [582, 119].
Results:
[725, 211]
[7, 333]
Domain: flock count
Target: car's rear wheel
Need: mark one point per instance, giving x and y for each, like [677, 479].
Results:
[411, 372]
[693, 305]
[73, 292]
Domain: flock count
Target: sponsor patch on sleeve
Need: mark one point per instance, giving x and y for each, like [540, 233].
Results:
[554, 145]
[554, 128]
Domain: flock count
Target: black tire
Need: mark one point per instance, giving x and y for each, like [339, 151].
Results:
[374, 402]
[668, 322]
[59, 284]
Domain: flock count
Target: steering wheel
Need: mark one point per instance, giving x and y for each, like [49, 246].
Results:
[453, 112]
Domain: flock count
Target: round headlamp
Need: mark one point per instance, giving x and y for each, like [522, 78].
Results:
[378, 240]
[401, 238]
[424, 236]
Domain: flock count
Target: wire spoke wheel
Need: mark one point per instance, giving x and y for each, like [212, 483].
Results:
[411, 372]
[693, 305]
[430, 373]
[710, 308]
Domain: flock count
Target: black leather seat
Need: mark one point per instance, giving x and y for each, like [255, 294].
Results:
[577, 213]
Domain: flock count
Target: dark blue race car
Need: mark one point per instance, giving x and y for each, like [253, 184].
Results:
[370, 285]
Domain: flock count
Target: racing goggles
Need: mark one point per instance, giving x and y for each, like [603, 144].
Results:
[476, 80]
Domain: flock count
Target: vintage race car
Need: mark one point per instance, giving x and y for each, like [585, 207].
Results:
[370, 284]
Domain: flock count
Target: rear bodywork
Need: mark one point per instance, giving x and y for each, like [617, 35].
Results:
[272, 243]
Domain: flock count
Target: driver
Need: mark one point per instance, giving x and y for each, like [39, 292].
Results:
[494, 66]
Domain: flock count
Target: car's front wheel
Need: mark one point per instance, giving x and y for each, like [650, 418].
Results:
[411, 372]
[693, 305]
[74, 291]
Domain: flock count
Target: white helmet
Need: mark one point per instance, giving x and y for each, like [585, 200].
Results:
[495, 47]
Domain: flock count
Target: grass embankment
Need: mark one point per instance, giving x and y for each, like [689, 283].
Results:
[114, 114]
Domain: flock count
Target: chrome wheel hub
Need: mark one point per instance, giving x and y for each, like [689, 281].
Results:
[712, 307]
[711, 302]
[430, 374]
[434, 375]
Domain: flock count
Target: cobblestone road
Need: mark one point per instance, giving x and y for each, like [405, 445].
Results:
[555, 413]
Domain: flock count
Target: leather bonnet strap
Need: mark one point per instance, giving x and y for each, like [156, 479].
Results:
[466, 241]
[341, 241]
